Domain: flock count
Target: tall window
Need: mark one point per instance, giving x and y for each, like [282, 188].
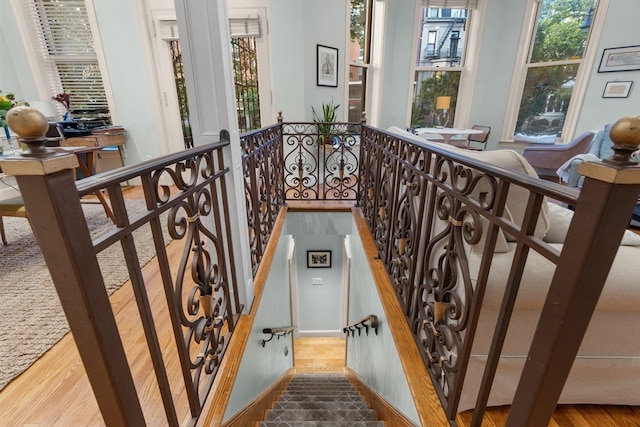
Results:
[554, 58]
[359, 56]
[67, 45]
[442, 37]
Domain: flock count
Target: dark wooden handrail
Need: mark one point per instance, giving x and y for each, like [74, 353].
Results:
[277, 332]
[185, 201]
[364, 323]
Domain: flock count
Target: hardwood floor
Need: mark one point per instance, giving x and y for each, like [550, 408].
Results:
[55, 391]
[319, 354]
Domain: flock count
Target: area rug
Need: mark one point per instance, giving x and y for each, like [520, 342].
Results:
[31, 317]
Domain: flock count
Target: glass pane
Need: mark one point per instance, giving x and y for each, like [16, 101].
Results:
[357, 90]
[428, 87]
[545, 99]
[442, 37]
[360, 20]
[562, 30]
[245, 71]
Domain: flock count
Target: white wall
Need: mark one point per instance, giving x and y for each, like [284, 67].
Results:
[375, 357]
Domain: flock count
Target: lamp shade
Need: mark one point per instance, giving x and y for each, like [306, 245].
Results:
[443, 102]
[45, 107]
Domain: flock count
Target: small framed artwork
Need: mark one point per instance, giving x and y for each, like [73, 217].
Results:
[617, 89]
[620, 59]
[318, 259]
[327, 66]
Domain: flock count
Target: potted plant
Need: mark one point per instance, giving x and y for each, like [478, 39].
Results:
[324, 122]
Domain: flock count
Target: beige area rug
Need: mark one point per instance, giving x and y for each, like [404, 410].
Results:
[27, 332]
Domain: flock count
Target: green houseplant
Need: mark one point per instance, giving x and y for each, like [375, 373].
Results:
[324, 122]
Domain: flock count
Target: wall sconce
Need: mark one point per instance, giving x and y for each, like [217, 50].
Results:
[443, 103]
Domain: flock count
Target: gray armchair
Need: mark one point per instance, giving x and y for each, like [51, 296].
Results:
[547, 159]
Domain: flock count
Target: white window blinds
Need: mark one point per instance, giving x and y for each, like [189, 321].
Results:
[245, 27]
[67, 45]
[451, 4]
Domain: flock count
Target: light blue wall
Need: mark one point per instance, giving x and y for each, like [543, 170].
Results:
[622, 28]
[287, 52]
[14, 69]
[126, 70]
[319, 306]
[499, 45]
[262, 366]
[498, 48]
[375, 357]
[397, 62]
[296, 27]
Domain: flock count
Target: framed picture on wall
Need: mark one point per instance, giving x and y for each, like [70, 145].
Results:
[620, 59]
[327, 66]
[318, 259]
[617, 89]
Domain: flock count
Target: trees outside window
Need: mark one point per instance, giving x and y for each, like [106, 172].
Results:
[359, 56]
[552, 66]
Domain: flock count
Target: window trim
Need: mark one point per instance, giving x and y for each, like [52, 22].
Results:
[521, 66]
[365, 65]
[44, 72]
[468, 71]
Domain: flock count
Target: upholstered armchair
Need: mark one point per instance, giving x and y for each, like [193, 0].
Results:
[547, 159]
[600, 148]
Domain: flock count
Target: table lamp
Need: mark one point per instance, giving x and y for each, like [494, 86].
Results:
[443, 103]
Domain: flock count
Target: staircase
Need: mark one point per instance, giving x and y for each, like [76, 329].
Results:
[312, 400]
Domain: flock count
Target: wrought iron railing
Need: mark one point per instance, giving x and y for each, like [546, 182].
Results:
[321, 166]
[185, 202]
[291, 162]
[426, 206]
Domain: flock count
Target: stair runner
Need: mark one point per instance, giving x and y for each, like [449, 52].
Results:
[321, 400]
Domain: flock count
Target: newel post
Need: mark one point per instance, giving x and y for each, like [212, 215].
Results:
[48, 189]
[602, 213]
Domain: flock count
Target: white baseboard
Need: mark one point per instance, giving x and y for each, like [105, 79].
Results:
[319, 333]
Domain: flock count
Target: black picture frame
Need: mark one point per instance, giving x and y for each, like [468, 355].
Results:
[326, 66]
[318, 259]
[625, 58]
[617, 89]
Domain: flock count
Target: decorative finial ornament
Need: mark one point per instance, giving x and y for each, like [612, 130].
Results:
[625, 134]
[31, 127]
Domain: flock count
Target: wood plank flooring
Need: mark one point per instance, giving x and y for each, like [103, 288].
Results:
[55, 391]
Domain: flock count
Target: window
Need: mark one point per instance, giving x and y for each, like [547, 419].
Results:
[244, 52]
[67, 46]
[440, 60]
[359, 57]
[552, 66]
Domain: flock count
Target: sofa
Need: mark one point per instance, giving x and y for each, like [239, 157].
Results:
[607, 368]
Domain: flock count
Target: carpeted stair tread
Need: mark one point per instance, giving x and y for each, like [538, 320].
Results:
[321, 391]
[320, 415]
[320, 398]
[320, 386]
[326, 405]
[321, 424]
